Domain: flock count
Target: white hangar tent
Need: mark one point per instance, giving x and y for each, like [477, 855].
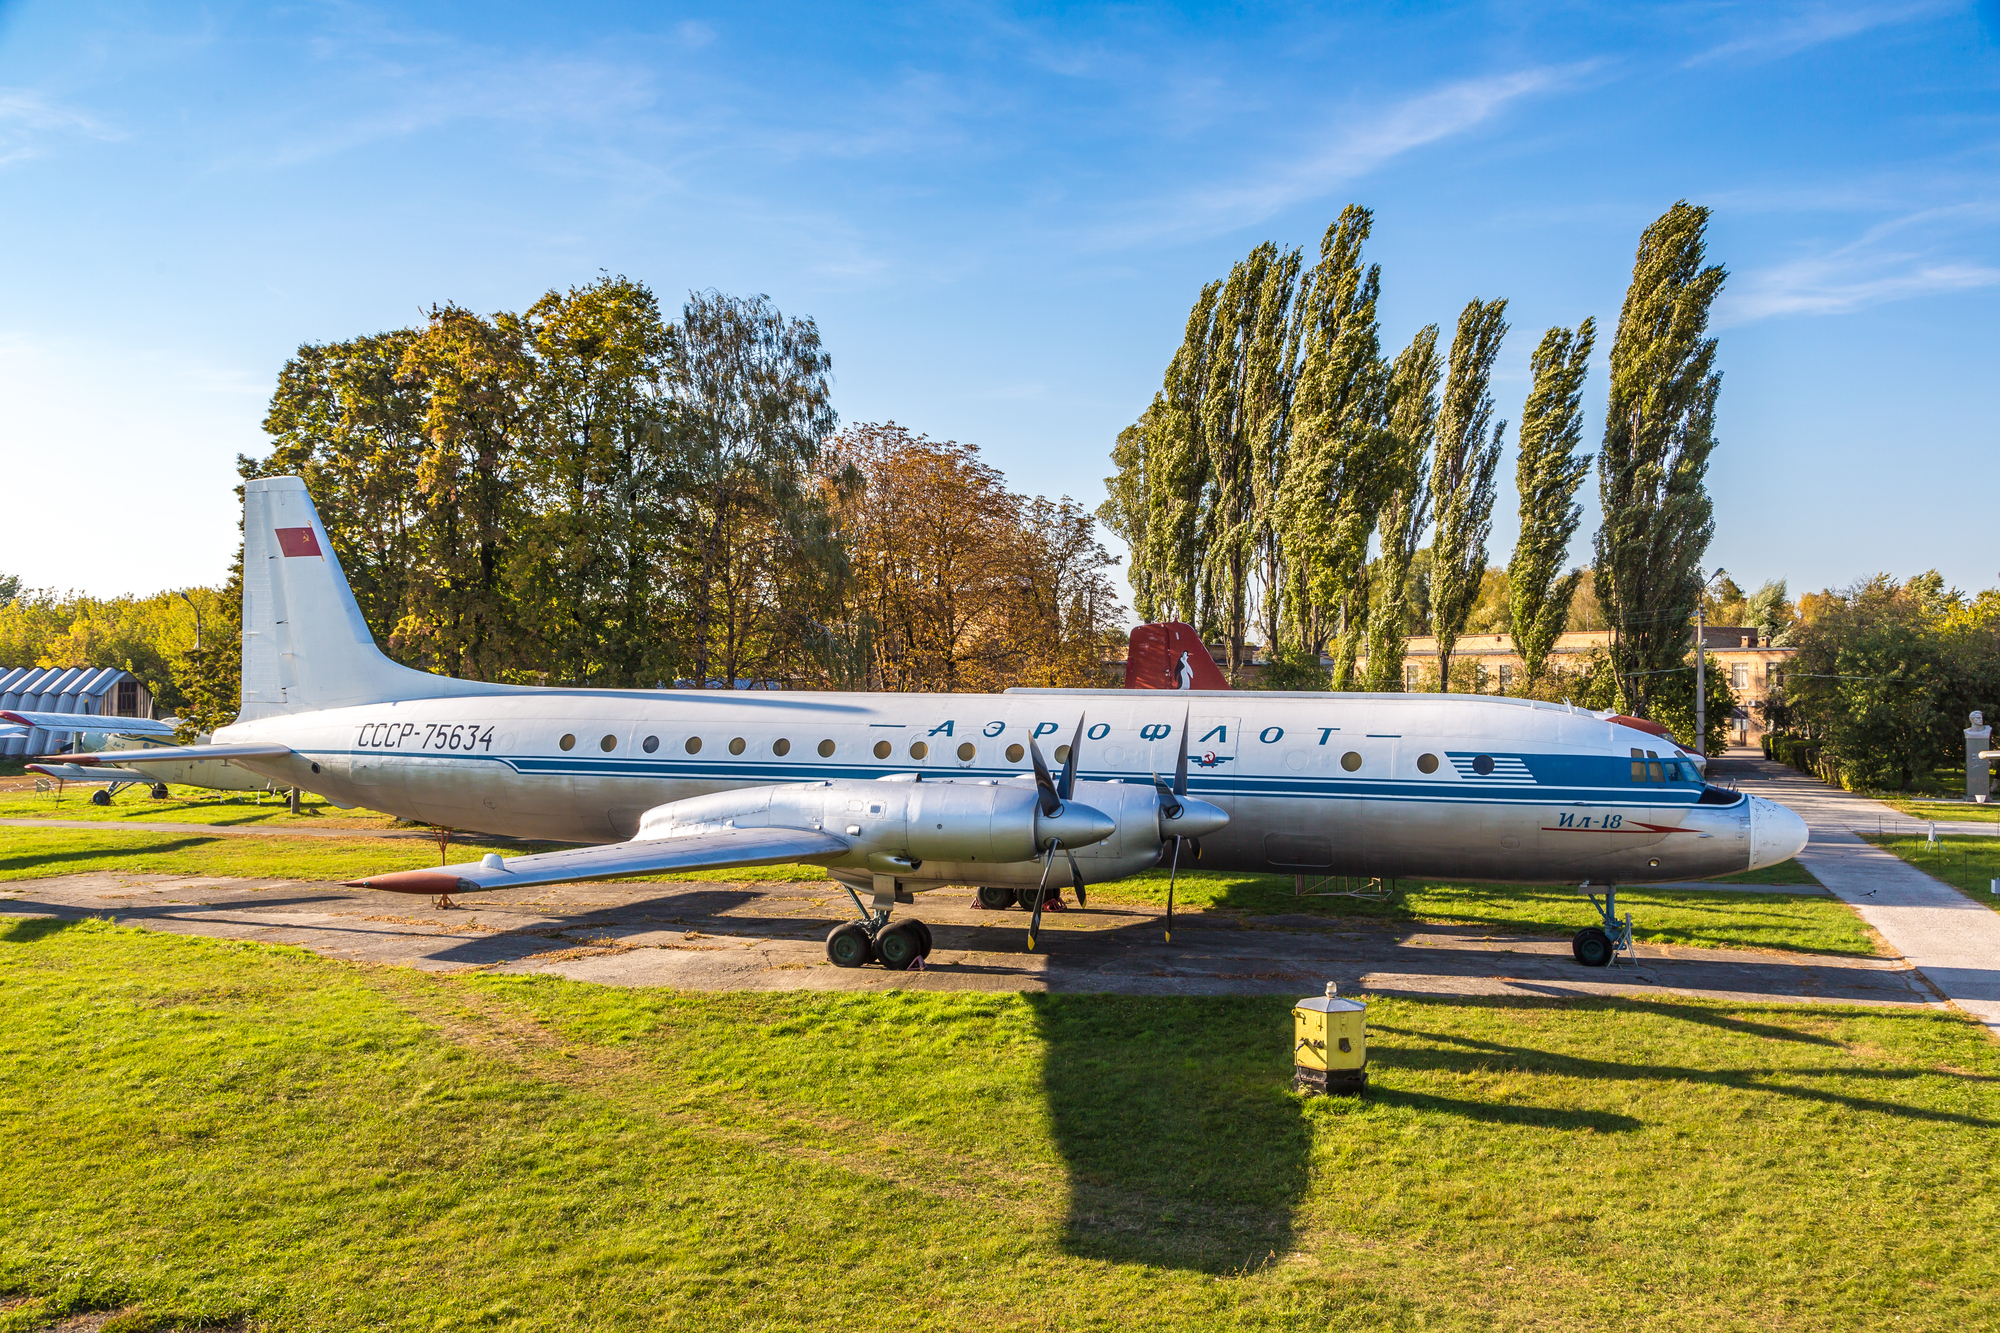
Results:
[86, 691]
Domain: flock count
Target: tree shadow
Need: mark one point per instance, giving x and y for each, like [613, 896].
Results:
[29, 929]
[27, 860]
[1176, 1122]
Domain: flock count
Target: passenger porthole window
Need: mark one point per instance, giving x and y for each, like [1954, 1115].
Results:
[1482, 764]
[569, 743]
[919, 750]
[694, 745]
[652, 744]
[608, 744]
[1014, 753]
[1351, 761]
[967, 750]
[1427, 763]
[1062, 754]
[882, 749]
[826, 749]
[781, 747]
[737, 746]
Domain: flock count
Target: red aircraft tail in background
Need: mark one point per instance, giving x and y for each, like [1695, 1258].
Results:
[1170, 657]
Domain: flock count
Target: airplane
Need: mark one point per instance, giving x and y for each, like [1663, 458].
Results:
[129, 739]
[896, 793]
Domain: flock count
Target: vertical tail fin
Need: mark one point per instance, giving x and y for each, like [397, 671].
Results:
[1170, 656]
[305, 644]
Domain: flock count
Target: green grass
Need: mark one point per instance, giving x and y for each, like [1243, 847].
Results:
[1967, 811]
[205, 1131]
[1720, 919]
[1969, 864]
[188, 805]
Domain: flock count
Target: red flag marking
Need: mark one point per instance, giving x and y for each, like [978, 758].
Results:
[298, 541]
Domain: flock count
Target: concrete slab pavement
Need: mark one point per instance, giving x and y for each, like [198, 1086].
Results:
[1953, 940]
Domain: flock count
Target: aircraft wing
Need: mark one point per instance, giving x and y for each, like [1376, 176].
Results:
[722, 849]
[91, 722]
[166, 754]
[78, 773]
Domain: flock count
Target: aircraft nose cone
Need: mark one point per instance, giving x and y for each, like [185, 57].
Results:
[1197, 819]
[1777, 834]
[1075, 824]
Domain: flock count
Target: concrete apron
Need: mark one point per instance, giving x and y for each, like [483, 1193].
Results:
[1952, 940]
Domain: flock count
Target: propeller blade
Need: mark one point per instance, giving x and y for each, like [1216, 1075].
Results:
[1068, 788]
[1170, 804]
[1180, 768]
[1044, 784]
[1076, 878]
[1041, 896]
[1172, 875]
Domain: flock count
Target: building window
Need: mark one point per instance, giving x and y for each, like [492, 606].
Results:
[1739, 676]
[1506, 677]
[1410, 677]
[128, 698]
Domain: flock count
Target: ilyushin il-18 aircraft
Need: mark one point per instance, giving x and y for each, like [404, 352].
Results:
[895, 793]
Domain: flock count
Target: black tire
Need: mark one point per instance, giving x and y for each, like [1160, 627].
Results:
[849, 946]
[159, 791]
[1592, 947]
[1029, 898]
[100, 797]
[924, 934]
[996, 897]
[899, 947]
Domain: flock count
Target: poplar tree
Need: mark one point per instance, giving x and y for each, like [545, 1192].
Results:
[1547, 477]
[1336, 473]
[1176, 462]
[1658, 434]
[1462, 474]
[1406, 513]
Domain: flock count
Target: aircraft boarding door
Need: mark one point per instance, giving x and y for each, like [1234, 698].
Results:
[1212, 745]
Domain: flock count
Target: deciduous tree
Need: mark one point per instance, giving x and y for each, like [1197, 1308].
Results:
[1462, 474]
[1547, 477]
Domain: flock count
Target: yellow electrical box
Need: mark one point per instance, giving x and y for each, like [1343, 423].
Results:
[1329, 1043]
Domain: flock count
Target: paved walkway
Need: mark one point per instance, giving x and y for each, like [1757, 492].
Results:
[1858, 813]
[1952, 939]
[708, 936]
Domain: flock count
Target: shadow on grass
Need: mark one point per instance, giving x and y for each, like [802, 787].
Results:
[1175, 1118]
[27, 930]
[35, 860]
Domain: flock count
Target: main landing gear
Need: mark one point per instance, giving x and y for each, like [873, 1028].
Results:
[872, 939]
[998, 898]
[1598, 946]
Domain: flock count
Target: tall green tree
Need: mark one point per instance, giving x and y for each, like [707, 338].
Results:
[1338, 468]
[1547, 476]
[1176, 478]
[1406, 512]
[1124, 510]
[1462, 474]
[1659, 430]
[753, 412]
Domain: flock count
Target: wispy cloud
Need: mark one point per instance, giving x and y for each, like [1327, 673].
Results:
[29, 121]
[1782, 31]
[1905, 257]
[1351, 147]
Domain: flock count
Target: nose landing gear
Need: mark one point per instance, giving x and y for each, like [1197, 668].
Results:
[1599, 946]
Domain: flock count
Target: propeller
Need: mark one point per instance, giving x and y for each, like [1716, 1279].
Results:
[1171, 806]
[1068, 788]
[1045, 786]
[1042, 893]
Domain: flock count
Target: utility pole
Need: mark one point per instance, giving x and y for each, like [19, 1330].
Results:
[1701, 667]
[197, 620]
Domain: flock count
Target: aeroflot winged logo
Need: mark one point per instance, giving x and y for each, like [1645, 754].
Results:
[298, 541]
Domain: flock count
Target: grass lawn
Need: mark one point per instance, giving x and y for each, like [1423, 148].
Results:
[210, 1131]
[1719, 919]
[188, 805]
[1968, 864]
[1970, 812]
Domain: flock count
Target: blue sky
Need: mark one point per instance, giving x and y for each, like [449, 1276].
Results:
[999, 217]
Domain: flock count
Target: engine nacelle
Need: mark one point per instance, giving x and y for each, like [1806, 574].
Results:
[913, 821]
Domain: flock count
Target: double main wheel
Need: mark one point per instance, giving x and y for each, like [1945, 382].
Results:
[996, 897]
[897, 948]
[1592, 947]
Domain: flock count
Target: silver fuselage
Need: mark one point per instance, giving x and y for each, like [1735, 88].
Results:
[1316, 784]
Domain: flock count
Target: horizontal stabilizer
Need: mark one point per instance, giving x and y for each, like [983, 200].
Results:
[109, 726]
[722, 849]
[172, 754]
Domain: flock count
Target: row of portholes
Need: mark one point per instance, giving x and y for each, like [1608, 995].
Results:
[781, 747]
